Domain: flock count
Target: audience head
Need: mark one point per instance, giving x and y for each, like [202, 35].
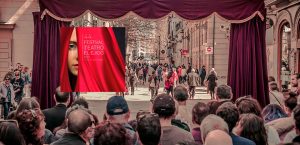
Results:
[11, 115]
[133, 124]
[32, 125]
[181, 93]
[272, 112]
[290, 103]
[82, 102]
[295, 78]
[213, 106]
[28, 104]
[187, 143]
[218, 137]
[149, 129]
[7, 78]
[80, 122]
[271, 79]
[223, 92]
[229, 112]
[61, 97]
[109, 133]
[199, 112]
[296, 113]
[273, 86]
[252, 127]
[164, 106]
[117, 109]
[10, 134]
[248, 105]
[210, 123]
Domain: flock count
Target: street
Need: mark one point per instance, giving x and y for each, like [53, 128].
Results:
[139, 101]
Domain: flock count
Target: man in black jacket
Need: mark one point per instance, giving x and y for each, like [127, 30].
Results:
[55, 116]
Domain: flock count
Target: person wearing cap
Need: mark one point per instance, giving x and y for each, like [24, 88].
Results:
[117, 111]
[193, 81]
[164, 106]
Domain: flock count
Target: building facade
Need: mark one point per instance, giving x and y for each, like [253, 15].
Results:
[201, 43]
[283, 39]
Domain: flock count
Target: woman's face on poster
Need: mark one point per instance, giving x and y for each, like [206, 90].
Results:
[73, 55]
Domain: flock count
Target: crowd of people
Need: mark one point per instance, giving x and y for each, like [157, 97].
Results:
[170, 76]
[221, 121]
[16, 84]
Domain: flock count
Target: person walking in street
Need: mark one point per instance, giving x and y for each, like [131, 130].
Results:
[7, 95]
[211, 83]
[169, 83]
[132, 80]
[18, 85]
[183, 74]
[153, 84]
[192, 82]
[202, 74]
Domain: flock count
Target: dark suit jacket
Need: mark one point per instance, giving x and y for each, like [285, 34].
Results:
[55, 116]
[69, 139]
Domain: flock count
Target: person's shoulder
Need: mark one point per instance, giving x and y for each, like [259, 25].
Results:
[180, 131]
[238, 140]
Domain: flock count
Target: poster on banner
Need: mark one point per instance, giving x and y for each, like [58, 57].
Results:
[209, 50]
[92, 59]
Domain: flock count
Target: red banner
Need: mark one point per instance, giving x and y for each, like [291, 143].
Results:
[92, 60]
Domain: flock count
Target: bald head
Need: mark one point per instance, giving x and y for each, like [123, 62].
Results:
[218, 137]
[78, 121]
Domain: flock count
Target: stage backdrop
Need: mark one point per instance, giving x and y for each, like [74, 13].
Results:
[246, 14]
[92, 60]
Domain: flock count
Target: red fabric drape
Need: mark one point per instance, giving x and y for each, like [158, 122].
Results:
[247, 71]
[46, 64]
[101, 66]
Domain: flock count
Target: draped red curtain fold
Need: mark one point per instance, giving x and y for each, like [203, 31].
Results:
[45, 69]
[153, 9]
[247, 70]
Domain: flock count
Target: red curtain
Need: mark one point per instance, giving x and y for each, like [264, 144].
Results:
[247, 70]
[153, 9]
[45, 69]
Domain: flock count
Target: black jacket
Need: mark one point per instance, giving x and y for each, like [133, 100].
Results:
[55, 116]
[69, 139]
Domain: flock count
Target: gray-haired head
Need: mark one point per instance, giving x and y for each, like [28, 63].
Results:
[212, 122]
[218, 137]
